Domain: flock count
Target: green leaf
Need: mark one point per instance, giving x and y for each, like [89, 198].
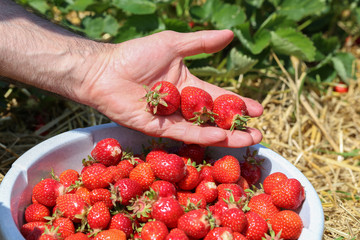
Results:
[80, 5]
[344, 65]
[275, 21]
[288, 41]
[94, 27]
[257, 43]
[238, 63]
[176, 25]
[324, 46]
[255, 3]
[39, 5]
[136, 6]
[207, 72]
[205, 11]
[228, 16]
[143, 23]
[298, 9]
[126, 33]
[198, 56]
[111, 25]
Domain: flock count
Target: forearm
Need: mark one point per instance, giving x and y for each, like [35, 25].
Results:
[39, 53]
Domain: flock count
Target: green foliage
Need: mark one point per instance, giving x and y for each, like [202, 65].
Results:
[307, 29]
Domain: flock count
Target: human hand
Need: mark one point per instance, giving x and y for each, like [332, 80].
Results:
[115, 86]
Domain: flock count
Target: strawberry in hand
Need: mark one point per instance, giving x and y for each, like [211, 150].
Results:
[163, 98]
[231, 112]
[196, 105]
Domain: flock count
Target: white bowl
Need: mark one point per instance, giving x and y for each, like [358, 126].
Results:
[67, 150]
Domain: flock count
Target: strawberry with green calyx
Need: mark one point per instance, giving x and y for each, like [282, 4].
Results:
[141, 206]
[288, 223]
[163, 98]
[47, 191]
[208, 189]
[262, 204]
[231, 112]
[36, 212]
[192, 201]
[227, 190]
[72, 206]
[251, 167]
[163, 188]
[196, 223]
[96, 176]
[50, 233]
[196, 105]
[256, 227]
[272, 235]
[124, 190]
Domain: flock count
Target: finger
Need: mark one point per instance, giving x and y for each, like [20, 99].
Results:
[210, 41]
[189, 133]
[239, 139]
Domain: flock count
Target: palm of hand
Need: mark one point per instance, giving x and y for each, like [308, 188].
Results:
[144, 61]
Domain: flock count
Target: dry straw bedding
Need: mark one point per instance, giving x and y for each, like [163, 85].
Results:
[310, 130]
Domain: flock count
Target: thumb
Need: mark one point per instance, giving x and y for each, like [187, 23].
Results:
[209, 41]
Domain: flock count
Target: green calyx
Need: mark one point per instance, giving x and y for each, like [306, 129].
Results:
[154, 98]
[239, 122]
[202, 117]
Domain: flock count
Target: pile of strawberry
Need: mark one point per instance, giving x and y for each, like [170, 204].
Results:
[164, 194]
[227, 111]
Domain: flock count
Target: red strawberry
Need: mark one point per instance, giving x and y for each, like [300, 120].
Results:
[289, 223]
[68, 178]
[32, 230]
[168, 210]
[98, 217]
[208, 189]
[163, 98]
[220, 233]
[65, 227]
[111, 234]
[101, 195]
[262, 204]
[196, 223]
[169, 168]
[50, 233]
[341, 87]
[72, 206]
[235, 219]
[36, 212]
[141, 207]
[193, 151]
[143, 174]
[47, 190]
[231, 112]
[243, 183]
[191, 178]
[206, 173]
[96, 176]
[163, 188]
[177, 234]
[155, 154]
[226, 170]
[289, 194]
[125, 190]
[256, 227]
[219, 208]
[77, 236]
[193, 201]
[230, 191]
[239, 236]
[272, 181]
[122, 222]
[123, 169]
[84, 193]
[107, 151]
[154, 230]
[196, 105]
[251, 167]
